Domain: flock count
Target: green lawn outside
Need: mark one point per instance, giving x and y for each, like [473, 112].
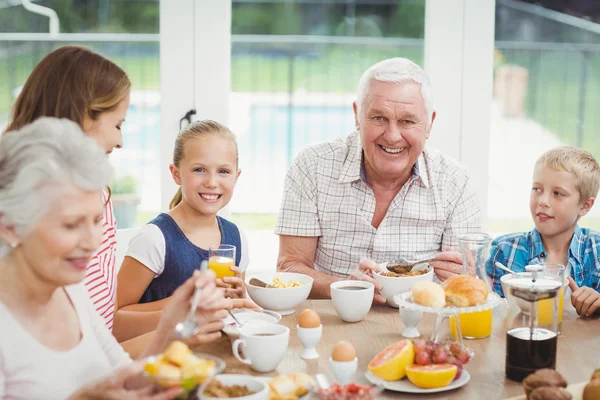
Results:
[553, 86]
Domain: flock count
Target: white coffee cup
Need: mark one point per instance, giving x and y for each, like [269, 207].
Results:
[352, 300]
[264, 346]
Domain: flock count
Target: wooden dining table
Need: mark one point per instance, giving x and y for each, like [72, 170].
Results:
[578, 350]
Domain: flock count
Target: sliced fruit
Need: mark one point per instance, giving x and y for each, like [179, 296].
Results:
[391, 363]
[431, 376]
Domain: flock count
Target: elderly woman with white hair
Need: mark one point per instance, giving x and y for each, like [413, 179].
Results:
[53, 345]
[378, 194]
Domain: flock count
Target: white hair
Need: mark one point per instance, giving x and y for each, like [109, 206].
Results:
[35, 161]
[396, 70]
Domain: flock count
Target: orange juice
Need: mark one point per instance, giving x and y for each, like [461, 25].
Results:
[476, 325]
[545, 309]
[221, 266]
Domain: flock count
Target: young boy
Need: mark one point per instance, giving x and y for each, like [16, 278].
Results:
[565, 185]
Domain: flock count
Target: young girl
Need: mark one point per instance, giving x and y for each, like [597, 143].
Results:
[169, 248]
[75, 83]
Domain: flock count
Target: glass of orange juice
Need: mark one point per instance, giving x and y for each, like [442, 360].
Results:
[475, 325]
[220, 258]
[545, 307]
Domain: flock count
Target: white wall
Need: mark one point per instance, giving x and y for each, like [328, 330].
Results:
[195, 58]
[459, 59]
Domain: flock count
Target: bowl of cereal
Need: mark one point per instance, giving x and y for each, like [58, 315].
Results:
[394, 283]
[231, 386]
[284, 292]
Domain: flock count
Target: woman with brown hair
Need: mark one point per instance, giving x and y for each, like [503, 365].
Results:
[75, 83]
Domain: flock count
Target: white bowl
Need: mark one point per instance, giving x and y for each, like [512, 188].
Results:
[525, 306]
[282, 301]
[393, 286]
[261, 390]
[248, 317]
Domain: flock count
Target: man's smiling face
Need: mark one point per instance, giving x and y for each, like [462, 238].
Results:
[393, 128]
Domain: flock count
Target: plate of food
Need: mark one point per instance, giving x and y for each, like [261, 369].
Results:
[419, 366]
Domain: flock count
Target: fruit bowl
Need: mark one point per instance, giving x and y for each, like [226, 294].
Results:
[178, 366]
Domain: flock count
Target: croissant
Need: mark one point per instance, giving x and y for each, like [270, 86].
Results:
[465, 291]
[290, 386]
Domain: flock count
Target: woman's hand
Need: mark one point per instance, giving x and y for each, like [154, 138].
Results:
[211, 301]
[118, 386]
[234, 286]
[210, 329]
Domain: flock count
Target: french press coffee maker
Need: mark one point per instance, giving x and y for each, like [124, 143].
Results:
[532, 321]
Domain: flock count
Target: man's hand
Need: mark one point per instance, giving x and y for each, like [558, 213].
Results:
[364, 272]
[585, 299]
[450, 263]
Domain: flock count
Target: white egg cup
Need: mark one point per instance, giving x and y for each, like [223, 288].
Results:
[343, 371]
[411, 320]
[309, 337]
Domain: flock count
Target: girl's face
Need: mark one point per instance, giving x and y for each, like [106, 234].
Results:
[106, 129]
[207, 173]
[65, 238]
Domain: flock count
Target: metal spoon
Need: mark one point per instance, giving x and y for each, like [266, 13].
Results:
[258, 283]
[503, 268]
[237, 321]
[401, 266]
[189, 326]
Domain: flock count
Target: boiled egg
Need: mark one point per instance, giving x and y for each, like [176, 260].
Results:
[309, 319]
[343, 352]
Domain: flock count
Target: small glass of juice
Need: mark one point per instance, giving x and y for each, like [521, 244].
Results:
[561, 273]
[220, 258]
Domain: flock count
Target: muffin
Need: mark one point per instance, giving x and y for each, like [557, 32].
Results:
[550, 393]
[465, 291]
[591, 391]
[596, 374]
[541, 378]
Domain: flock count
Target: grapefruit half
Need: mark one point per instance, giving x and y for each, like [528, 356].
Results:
[431, 376]
[390, 364]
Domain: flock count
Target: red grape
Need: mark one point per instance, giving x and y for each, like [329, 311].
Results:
[423, 358]
[463, 356]
[440, 356]
[419, 345]
[455, 348]
[459, 372]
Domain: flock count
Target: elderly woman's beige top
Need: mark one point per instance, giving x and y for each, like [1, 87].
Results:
[29, 370]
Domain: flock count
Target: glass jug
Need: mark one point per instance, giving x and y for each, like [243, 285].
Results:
[475, 251]
[531, 338]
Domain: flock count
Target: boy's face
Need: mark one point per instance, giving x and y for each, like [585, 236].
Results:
[555, 203]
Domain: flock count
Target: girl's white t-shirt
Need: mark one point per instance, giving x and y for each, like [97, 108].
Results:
[29, 370]
[149, 248]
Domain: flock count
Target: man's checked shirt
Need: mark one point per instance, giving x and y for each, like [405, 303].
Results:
[326, 195]
[517, 250]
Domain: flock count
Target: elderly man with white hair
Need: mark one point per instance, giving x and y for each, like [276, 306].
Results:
[377, 194]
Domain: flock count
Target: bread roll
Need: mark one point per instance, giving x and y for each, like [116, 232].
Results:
[289, 386]
[428, 294]
[465, 291]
